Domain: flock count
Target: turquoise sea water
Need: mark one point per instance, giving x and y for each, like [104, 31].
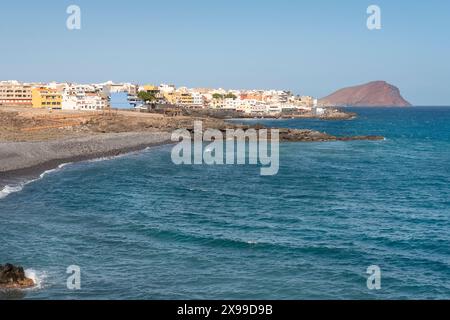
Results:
[140, 227]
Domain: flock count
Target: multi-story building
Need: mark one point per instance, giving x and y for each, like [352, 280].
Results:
[275, 96]
[216, 103]
[155, 91]
[274, 109]
[184, 98]
[251, 106]
[84, 97]
[151, 89]
[252, 96]
[87, 102]
[198, 100]
[133, 89]
[170, 97]
[166, 88]
[231, 104]
[13, 93]
[93, 102]
[46, 98]
[79, 89]
[70, 102]
[307, 101]
[112, 87]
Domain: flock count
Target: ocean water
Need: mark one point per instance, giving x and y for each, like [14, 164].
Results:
[140, 227]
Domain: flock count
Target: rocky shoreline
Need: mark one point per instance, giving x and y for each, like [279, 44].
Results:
[330, 114]
[13, 277]
[296, 135]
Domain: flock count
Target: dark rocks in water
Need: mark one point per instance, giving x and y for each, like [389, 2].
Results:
[295, 135]
[12, 277]
[356, 138]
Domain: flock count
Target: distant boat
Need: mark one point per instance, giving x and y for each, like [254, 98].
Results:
[134, 101]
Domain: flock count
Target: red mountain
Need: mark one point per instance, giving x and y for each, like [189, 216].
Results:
[372, 94]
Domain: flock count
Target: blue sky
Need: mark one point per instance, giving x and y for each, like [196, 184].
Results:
[308, 47]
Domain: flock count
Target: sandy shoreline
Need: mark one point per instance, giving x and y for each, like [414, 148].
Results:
[31, 159]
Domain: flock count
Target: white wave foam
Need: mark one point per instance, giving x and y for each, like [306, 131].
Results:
[37, 277]
[43, 174]
[122, 155]
[7, 190]
[99, 159]
[108, 158]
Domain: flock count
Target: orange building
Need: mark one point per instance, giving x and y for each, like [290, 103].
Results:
[46, 98]
[252, 96]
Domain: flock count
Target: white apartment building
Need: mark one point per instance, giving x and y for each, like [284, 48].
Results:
[231, 104]
[276, 96]
[93, 102]
[166, 88]
[79, 89]
[216, 104]
[112, 87]
[250, 106]
[274, 109]
[197, 100]
[89, 102]
[83, 97]
[319, 111]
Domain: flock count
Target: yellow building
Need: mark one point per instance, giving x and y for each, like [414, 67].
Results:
[170, 97]
[185, 98]
[154, 90]
[46, 98]
[151, 88]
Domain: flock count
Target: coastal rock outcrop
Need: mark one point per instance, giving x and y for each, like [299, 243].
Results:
[295, 135]
[13, 277]
[372, 94]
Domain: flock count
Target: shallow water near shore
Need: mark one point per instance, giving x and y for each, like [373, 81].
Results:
[140, 227]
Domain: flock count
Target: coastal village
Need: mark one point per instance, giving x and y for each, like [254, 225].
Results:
[145, 98]
[44, 123]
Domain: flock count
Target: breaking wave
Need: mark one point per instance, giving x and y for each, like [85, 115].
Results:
[9, 189]
[37, 277]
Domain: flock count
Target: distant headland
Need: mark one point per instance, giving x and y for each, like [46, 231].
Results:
[372, 94]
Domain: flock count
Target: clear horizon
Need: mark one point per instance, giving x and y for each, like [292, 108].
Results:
[311, 48]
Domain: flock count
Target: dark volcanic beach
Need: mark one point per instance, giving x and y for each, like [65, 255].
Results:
[33, 141]
[30, 159]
